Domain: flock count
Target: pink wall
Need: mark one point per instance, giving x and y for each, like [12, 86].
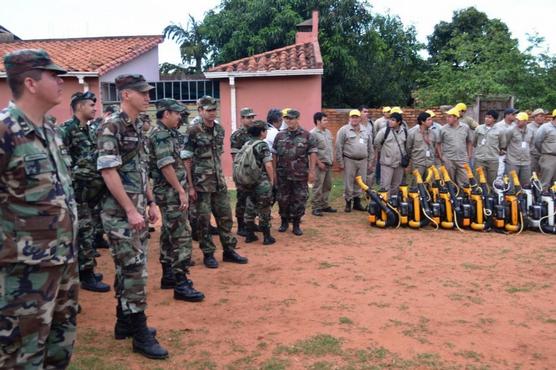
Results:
[62, 111]
[263, 93]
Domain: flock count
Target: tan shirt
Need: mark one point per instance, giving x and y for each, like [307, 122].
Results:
[534, 127]
[390, 154]
[421, 152]
[503, 125]
[325, 145]
[379, 124]
[454, 142]
[488, 141]
[545, 138]
[353, 144]
[519, 142]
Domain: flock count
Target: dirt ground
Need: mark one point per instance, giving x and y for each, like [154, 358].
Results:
[348, 296]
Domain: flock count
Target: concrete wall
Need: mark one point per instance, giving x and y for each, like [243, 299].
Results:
[145, 64]
[300, 92]
[62, 111]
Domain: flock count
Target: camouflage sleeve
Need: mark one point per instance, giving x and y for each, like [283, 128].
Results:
[108, 146]
[312, 144]
[64, 134]
[234, 142]
[6, 146]
[274, 148]
[161, 142]
[188, 145]
[262, 152]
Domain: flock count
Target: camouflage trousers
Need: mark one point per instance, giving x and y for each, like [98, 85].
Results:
[97, 223]
[85, 237]
[217, 203]
[244, 204]
[175, 238]
[129, 252]
[260, 199]
[292, 197]
[38, 309]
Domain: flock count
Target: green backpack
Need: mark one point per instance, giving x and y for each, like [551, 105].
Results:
[246, 171]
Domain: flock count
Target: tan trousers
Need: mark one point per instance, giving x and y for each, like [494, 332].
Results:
[391, 178]
[322, 187]
[548, 170]
[352, 169]
[490, 168]
[456, 171]
[535, 166]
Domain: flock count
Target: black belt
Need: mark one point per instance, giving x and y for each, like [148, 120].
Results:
[355, 159]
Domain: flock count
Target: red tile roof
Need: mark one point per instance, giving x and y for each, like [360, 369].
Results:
[95, 54]
[292, 57]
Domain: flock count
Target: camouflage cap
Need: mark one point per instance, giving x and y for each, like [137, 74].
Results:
[112, 108]
[207, 102]
[292, 113]
[247, 112]
[144, 117]
[169, 104]
[260, 124]
[24, 60]
[185, 113]
[132, 82]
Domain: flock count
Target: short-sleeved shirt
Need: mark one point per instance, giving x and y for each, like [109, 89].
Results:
[355, 144]
[519, 141]
[421, 151]
[238, 139]
[81, 148]
[165, 150]
[292, 150]
[38, 214]
[488, 142]
[122, 145]
[454, 142]
[325, 145]
[204, 145]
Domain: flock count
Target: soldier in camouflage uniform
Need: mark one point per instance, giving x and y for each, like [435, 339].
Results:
[122, 161]
[260, 194]
[171, 193]
[99, 241]
[295, 156]
[203, 148]
[82, 151]
[237, 140]
[38, 222]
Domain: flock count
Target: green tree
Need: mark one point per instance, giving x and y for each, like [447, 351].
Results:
[193, 46]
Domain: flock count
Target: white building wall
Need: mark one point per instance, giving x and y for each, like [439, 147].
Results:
[145, 64]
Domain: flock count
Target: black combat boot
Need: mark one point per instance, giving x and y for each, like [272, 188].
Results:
[357, 205]
[184, 290]
[213, 230]
[230, 255]
[210, 261]
[250, 232]
[168, 280]
[123, 329]
[241, 227]
[98, 276]
[100, 242]
[268, 239]
[284, 225]
[89, 282]
[143, 341]
[348, 206]
[296, 229]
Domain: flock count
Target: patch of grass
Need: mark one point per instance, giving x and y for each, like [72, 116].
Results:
[321, 365]
[345, 320]
[472, 266]
[262, 345]
[418, 331]
[525, 288]
[470, 355]
[274, 363]
[379, 304]
[318, 345]
[93, 363]
[288, 302]
[403, 307]
[326, 265]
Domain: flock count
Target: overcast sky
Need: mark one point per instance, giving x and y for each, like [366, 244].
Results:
[34, 19]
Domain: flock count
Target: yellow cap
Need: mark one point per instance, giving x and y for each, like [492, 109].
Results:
[396, 110]
[522, 116]
[354, 112]
[453, 112]
[460, 107]
[285, 111]
[554, 113]
[431, 113]
[386, 110]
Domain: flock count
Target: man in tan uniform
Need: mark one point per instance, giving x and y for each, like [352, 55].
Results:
[391, 142]
[545, 142]
[382, 121]
[367, 124]
[538, 119]
[505, 124]
[465, 119]
[323, 170]
[489, 142]
[421, 144]
[518, 153]
[456, 146]
[354, 152]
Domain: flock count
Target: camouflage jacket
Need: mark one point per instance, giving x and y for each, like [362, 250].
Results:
[122, 145]
[292, 150]
[204, 146]
[81, 148]
[238, 139]
[38, 215]
[93, 128]
[164, 150]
